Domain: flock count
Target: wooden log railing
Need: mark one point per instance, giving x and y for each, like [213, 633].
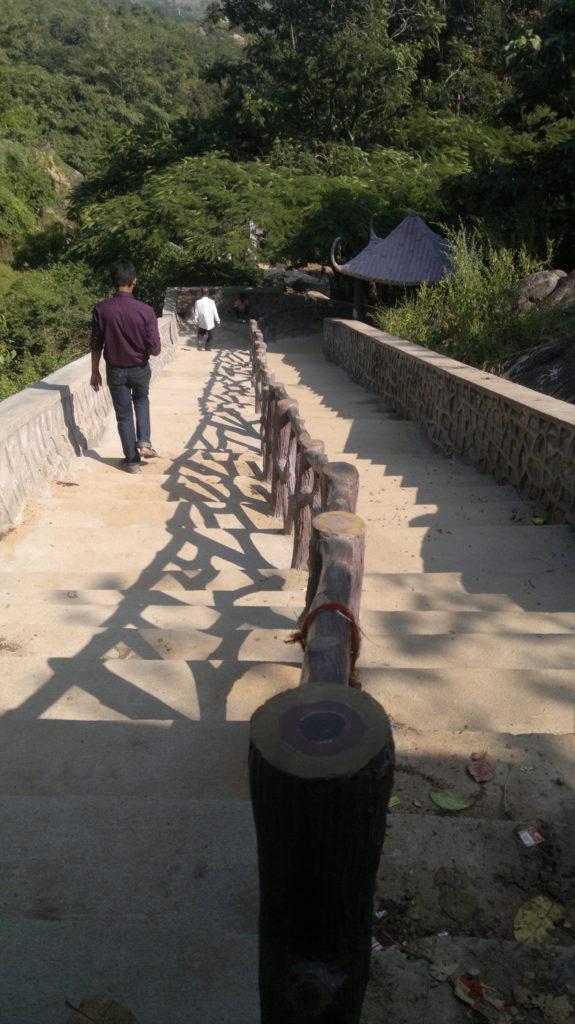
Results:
[321, 756]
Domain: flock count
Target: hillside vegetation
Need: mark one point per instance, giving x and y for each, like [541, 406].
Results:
[135, 130]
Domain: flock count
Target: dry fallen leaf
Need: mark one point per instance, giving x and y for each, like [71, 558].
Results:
[482, 767]
[536, 918]
[101, 1010]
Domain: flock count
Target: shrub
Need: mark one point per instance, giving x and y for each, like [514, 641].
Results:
[45, 323]
[472, 314]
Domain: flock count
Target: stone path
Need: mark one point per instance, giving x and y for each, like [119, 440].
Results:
[143, 622]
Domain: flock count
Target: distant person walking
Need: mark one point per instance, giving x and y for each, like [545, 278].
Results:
[126, 331]
[205, 317]
[242, 307]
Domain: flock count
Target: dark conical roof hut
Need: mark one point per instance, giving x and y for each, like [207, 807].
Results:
[410, 254]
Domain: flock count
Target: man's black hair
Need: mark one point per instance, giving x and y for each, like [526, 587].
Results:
[122, 272]
[205, 291]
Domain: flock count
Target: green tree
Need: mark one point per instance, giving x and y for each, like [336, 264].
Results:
[328, 71]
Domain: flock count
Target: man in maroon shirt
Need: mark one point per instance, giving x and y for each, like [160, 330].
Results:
[126, 330]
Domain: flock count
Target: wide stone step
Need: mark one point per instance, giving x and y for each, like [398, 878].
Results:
[469, 510]
[153, 902]
[368, 436]
[176, 546]
[155, 759]
[140, 613]
[167, 487]
[78, 641]
[470, 548]
[469, 876]
[534, 773]
[127, 690]
[208, 579]
[455, 623]
[247, 642]
[110, 510]
[481, 695]
[185, 461]
[407, 985]
[544, 590]
[134, 602]
[206, 611]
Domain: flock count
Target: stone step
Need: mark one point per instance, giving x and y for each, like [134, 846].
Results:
[171, 615]
[514, 699]
[534, 773]
[368, 436]
[86, 642]
[112, 483]
[205, 611]
[406, 977]
[544, 590]
[129, 691]
[391, 549]
[196, 744]
[208, 579]
[112, 510]
[80, 920]
[470, 548]
[468, 510]
[449, 623]
[174, 462]
[151, 760]
[245, 642]
[469, 876]
[158, 970]
[462, 506]
[140, 546]
[131, 603]
[483, 695]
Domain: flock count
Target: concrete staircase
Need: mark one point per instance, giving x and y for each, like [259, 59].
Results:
[143, 620]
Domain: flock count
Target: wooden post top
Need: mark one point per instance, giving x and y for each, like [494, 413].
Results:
[339, 524]
[320, 731]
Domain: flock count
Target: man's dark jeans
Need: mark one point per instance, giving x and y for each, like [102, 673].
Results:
[129, 385]
[205, 338]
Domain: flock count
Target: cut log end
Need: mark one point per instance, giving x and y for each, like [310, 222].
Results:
[320, 731]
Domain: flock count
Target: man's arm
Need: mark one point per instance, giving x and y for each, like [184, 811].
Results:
[153, 342]
[96, 378]
[96, 344]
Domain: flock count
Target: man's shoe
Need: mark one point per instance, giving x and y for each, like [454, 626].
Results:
[147, 451]
[131, 467]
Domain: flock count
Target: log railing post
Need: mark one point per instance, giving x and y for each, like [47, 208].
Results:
[283, 481]
[301, 512]
[267, 425]
[321, 771]
[340, 487]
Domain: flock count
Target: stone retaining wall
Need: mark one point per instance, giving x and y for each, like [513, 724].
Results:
[520, 436]
[43, 427]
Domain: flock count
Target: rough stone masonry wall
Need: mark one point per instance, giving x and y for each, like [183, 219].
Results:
[45, 426]
[522, 437]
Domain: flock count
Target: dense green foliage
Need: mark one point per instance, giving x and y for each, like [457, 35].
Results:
[132, 129]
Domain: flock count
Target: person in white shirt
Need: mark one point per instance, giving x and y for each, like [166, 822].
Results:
[205, 317]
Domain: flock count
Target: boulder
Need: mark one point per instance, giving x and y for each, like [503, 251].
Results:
[533, 289]
[563, 294]
[548, 368]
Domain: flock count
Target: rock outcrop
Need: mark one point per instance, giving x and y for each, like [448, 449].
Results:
[550, 287]
[548, 368]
